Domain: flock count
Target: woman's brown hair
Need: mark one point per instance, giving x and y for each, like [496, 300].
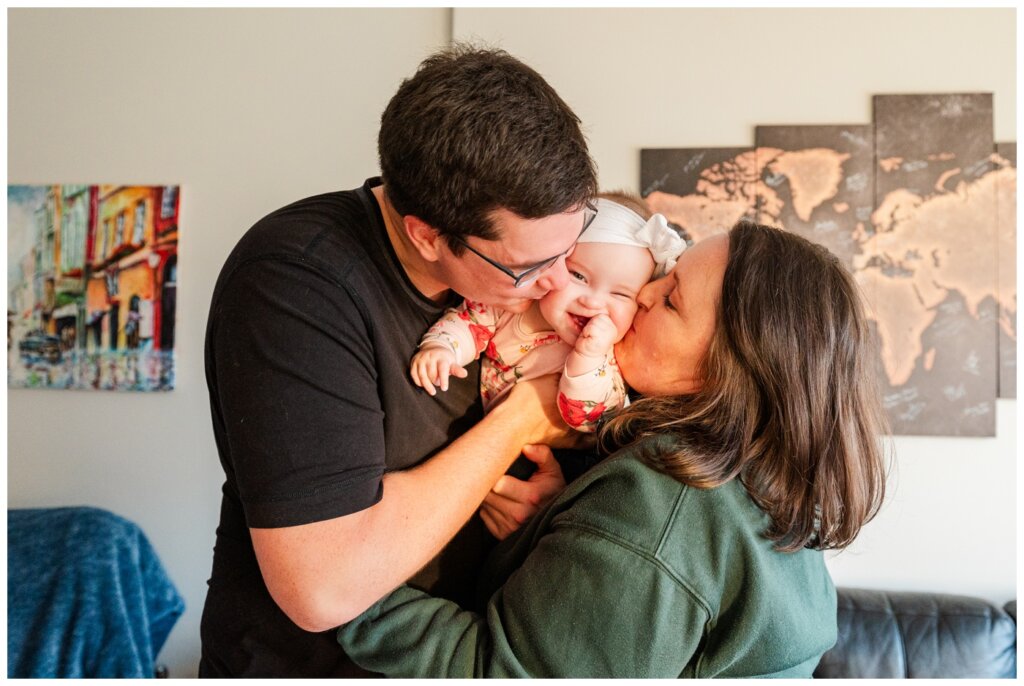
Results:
[789, 402]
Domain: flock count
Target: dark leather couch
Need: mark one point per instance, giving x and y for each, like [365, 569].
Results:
[884, 634]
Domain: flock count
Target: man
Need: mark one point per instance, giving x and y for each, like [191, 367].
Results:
[329, 499]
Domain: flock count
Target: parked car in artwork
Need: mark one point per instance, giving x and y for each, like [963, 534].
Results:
[38, 344]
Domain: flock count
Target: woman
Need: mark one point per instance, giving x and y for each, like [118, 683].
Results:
[696, 549]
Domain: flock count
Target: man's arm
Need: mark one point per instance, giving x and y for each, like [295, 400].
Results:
[327, 573]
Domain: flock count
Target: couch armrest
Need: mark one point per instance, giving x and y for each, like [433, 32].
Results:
[926, 635]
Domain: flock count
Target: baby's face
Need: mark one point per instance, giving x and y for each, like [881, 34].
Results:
[603, 278]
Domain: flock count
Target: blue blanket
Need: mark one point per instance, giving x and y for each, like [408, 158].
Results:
[86, 595]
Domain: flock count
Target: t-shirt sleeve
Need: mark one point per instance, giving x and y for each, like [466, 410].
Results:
[297, 395]
[581, 606]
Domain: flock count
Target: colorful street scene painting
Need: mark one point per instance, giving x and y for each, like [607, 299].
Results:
[92, 275]
[920, 205]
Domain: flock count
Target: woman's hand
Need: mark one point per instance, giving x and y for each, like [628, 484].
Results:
[513, 501]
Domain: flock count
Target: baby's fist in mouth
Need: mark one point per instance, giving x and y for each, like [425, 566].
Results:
[597, 337]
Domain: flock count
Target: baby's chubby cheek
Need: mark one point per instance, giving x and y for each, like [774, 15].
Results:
[623, 321]
[549, 306]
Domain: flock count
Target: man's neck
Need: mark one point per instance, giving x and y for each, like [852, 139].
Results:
[416, 268]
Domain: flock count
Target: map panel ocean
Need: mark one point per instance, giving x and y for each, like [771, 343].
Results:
[918, 230]
[1006, 226]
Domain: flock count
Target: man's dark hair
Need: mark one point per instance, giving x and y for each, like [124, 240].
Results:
[476, 130]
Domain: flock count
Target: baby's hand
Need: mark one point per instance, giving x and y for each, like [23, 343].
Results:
[432, 366]
[597, 337]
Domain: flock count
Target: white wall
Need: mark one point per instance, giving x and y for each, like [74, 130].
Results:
[251, 109]
[246, 109]
[702, 78]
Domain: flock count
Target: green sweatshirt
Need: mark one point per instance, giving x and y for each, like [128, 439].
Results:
[628, 573]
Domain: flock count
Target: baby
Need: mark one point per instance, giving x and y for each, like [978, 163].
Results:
[569, 331]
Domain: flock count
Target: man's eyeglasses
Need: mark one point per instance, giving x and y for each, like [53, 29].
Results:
[531, 274]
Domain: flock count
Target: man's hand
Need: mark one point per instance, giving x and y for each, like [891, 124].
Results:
[432, 366]
[536, 402]
[512, 501]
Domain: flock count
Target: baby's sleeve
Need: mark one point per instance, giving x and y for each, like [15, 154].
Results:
[584, 399]
[465, 330]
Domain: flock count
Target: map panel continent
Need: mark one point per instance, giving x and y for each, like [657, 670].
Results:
[932, 265]
[818, 183]
[703, 190]
[1006, 225]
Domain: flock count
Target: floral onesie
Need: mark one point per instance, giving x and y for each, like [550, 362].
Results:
[512, 352]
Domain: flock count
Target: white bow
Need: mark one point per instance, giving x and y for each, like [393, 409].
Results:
[665, 244]
[620, 225]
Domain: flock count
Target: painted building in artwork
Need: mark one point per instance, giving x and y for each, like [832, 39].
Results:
[61, 228]
[73, 210]
[23, 296]
[43, 272]
[131, 271]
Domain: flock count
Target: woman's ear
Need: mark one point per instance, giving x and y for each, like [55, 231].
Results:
[425, 238]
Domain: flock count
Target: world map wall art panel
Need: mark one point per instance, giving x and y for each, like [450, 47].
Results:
[920, 205]
[91, 286]
[1006, 228]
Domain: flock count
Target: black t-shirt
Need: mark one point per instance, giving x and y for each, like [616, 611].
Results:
[311, 329]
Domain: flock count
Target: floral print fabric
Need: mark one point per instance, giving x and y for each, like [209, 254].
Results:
[513, 352]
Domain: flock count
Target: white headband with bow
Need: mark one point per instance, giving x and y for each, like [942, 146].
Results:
[622, 226]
